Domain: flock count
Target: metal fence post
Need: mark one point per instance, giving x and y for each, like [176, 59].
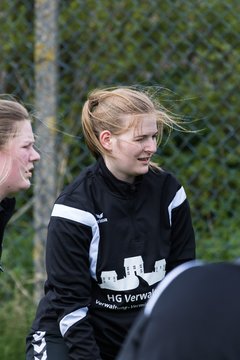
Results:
[46, 106]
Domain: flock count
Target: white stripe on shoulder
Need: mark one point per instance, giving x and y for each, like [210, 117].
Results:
[177, 200]
[166, 281]
[70, 213]
[71, 319]
[86, 218]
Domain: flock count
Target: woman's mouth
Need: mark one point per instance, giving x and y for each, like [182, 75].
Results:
[29, 172]
[144, 159]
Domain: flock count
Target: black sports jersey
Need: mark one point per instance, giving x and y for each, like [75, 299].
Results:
[7, 206]
[109, 244]
[193, 314]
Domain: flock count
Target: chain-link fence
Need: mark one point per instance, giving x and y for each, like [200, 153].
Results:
[54, 52]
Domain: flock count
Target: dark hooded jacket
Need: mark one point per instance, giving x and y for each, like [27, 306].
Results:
[193, 315]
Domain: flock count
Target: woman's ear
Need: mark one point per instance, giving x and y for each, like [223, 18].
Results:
[105, 139]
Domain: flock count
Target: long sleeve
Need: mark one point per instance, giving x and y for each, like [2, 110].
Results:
[71, 236]
[182, 234]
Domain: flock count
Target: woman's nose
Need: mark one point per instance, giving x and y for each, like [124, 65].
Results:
[151, 145]
[35, 155]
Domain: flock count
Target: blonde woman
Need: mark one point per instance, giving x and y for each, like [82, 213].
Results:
[17, 157]
[113, 233]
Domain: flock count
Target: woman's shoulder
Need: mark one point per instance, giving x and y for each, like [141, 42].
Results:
[162, 174]
[79, 190]
[165, 184]
[8, 205]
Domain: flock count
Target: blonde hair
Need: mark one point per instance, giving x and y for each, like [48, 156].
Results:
[104, 110]
[11, 112]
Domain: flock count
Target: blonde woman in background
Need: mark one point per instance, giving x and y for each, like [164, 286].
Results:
[17, 157]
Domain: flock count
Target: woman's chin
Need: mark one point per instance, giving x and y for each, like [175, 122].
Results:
[143, 170]
[25, 185]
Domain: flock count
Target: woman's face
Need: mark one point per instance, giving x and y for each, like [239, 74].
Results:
[17, 160]
[131, 152]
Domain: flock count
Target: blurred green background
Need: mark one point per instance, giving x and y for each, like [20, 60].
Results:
[54, 52]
